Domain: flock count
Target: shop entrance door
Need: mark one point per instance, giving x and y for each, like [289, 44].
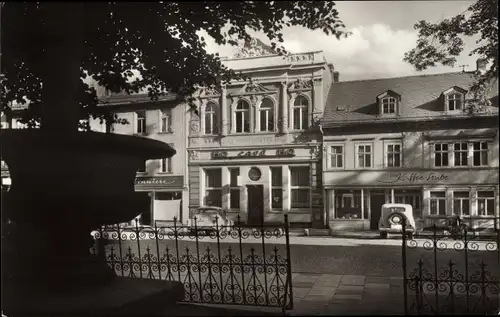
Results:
[377, 199]
[255, 205]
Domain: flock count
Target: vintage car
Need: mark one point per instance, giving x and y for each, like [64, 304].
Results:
[209, 218]
[391, 219]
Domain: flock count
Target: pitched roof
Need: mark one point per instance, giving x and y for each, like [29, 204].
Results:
[356, 100]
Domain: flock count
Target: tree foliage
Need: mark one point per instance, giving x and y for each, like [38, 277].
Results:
[441, 43]
[157, 39]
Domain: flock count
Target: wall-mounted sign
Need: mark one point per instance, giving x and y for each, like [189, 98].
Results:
[254, 174]
[431, 177]
[159, 182]
[282, 152]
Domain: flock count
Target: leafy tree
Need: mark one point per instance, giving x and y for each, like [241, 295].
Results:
[441, 43]
[50, 48]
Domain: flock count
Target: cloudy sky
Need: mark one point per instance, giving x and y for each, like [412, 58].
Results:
[382, 33]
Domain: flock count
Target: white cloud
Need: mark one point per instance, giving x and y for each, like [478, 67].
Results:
[371, 51]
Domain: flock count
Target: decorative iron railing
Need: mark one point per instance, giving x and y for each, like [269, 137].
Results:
[217, 265]
[451, 273]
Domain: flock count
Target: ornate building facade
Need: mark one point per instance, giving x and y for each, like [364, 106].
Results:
[254, 147]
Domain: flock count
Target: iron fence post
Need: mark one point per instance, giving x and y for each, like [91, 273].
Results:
[436, 282]
[138, 246]
[405, 281]
[289, 266]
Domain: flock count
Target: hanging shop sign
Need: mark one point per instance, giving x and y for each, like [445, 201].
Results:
[160, 181]
[282, 152]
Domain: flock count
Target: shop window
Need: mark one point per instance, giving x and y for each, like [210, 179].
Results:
[234, 189]
[211, 123]
[213, 187]
[441, 154]
[393, 155]
[461, 203]
[168, 195]
[415, 200]
[300, 113]
[276, 187]
[364, 156]
[337, 156]
[438, 203]
[242, 117]
[300, 186]
[266, 113]
[348, 205]
[485, 203]
[166, 120]
[480, 153]
[460, 152]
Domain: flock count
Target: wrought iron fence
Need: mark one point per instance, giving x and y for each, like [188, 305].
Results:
[451, 274]
[222, 264]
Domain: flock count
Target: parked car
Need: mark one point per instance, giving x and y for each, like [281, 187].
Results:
[391, 219]
[209, 218]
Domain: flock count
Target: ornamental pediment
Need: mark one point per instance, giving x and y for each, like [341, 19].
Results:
[300, 84]
[208, 92]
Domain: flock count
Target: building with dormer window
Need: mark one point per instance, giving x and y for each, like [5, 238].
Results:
[410, 140]
[254, 146]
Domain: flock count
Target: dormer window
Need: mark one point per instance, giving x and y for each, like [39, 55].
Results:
[388, 105]
[454, 99]
[455, 102]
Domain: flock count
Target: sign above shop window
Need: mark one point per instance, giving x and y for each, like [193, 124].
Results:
[431, 177]
[160, 181]
[282, 152]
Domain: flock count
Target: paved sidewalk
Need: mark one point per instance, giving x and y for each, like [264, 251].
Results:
[329, 294]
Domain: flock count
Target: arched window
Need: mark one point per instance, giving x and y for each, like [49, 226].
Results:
[242, 114]
[266, 113]
[211, 123]
[300, 113]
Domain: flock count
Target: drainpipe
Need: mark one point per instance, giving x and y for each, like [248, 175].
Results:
[322, 149]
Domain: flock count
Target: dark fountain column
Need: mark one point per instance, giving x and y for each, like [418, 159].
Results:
[64, 184]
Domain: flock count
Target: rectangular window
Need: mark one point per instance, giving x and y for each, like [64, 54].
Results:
[441, 154]
[300, 186]
[438, 203]
[140, 125]
[364, 156]
[276, 187]
[486, 203]
[461, 152]
[461, 203]
[480, 153]
[454, 102]
[337, 156]
[393, 155]
[389, 105]
[213, 187]
[166, 120]
[166, 165]
[234, 189]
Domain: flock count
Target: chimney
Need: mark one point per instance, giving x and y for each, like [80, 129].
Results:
[481, 65]
[336, 77]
